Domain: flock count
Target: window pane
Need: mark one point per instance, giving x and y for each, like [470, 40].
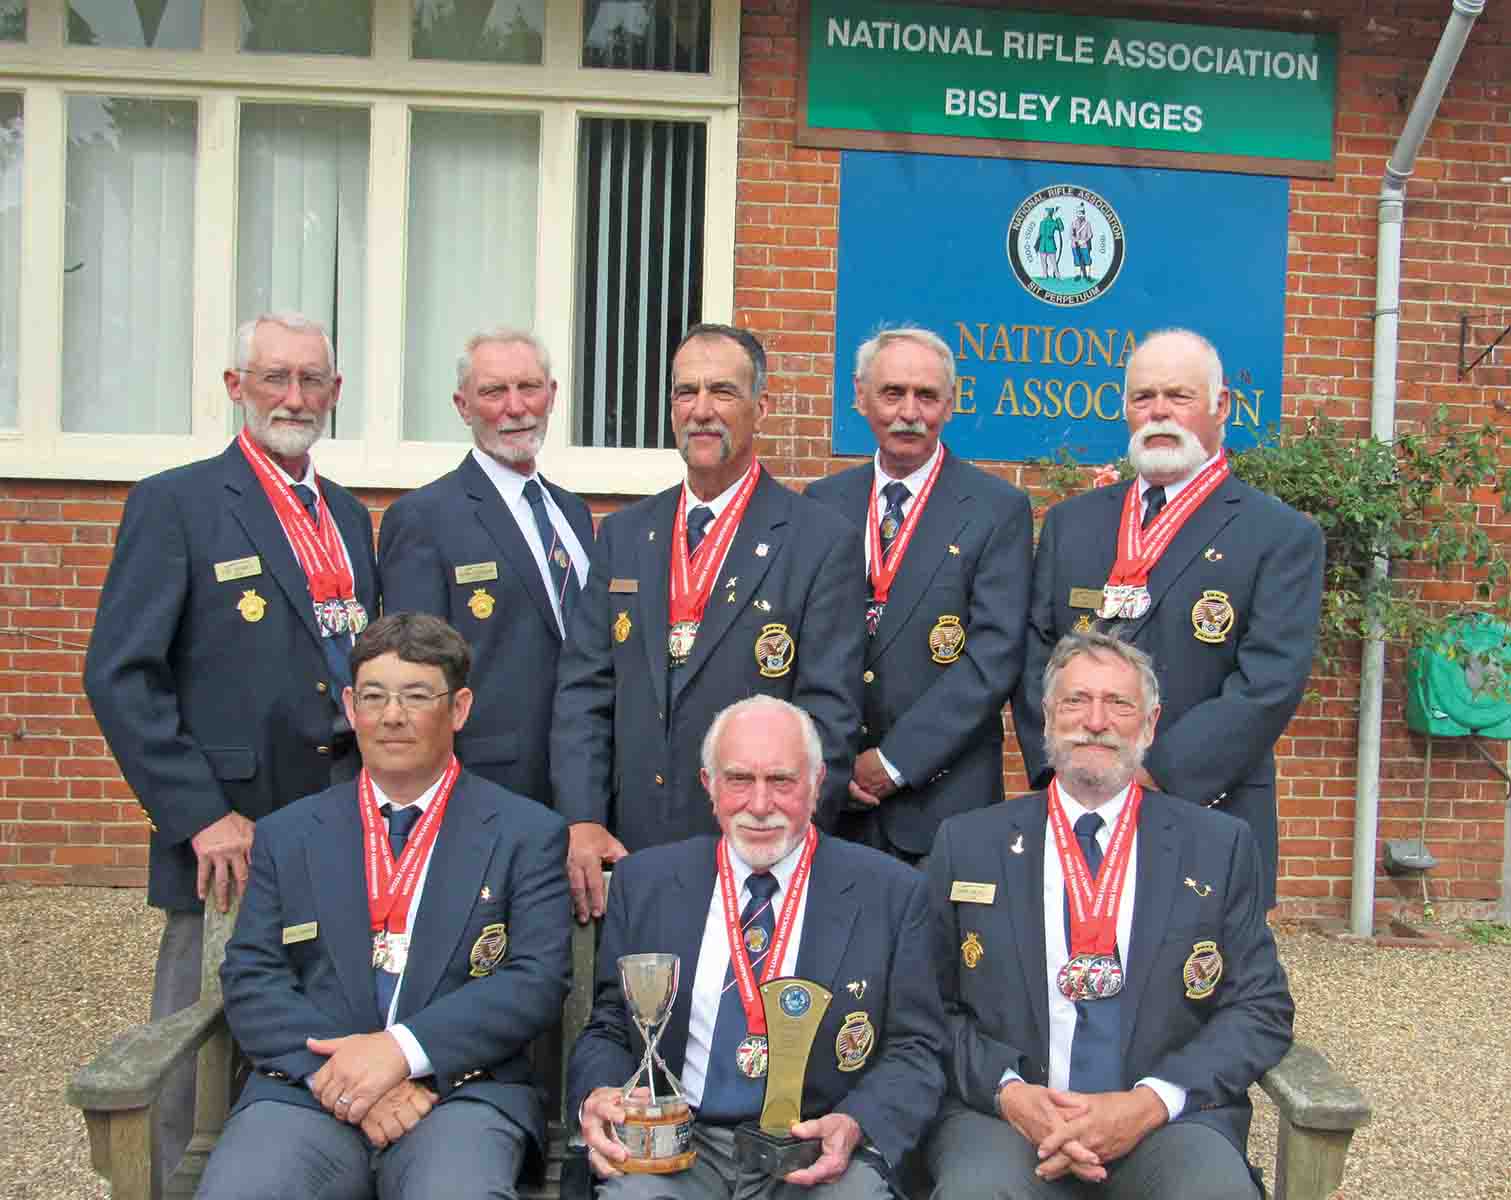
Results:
[10, 252]
[12, 20]
[128, 264]
[301, 237]
[149, 24]
[507, 31]
[646, 35]
[308, 26]
[640, 283]
[473, 197]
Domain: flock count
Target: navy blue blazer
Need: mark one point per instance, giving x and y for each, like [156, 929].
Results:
[997, 1011]
[939, 724]
[1224, 702]
[866, 924]
[307, 870]
[214, 693]
[457, 522]
[628, 731]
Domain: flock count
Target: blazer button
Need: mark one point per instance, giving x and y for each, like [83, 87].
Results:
[659, 781]
[322, 749]
[322, 687]
[869, 677]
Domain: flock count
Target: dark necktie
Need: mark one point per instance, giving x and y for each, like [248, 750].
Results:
[563, 577]
[311, 504]
[699, 518]
[400, 822]
[728, 1094]
[1095, 1046]
[895, 494]
[1154, 501]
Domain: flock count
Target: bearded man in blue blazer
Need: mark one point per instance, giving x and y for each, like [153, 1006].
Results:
[857, 924]
[403, 939]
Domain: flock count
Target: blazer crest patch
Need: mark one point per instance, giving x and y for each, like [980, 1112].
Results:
[1203, 971]
[856, 1040]
[488, 950]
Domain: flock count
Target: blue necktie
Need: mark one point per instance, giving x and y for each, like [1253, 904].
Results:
[1095, 1047]
[311, 504]
[699, 517]
[563, 577]
[400, 822]
[728, 1094]
[1154, 500]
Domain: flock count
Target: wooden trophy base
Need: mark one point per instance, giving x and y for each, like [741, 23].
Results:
[658, 1137]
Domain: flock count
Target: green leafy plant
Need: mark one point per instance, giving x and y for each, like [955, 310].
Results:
[1488, 933]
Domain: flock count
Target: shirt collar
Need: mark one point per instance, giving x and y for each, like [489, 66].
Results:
[1172, 490]
[782, 870]
[422, 803]
[1109, 812]
[913, 482]
[510, 484]
[718, 504]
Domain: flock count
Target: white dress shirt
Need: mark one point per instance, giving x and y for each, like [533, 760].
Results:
[511, 490]
[1172, 490]
[713, 963]
[717, 506]
[309, 481]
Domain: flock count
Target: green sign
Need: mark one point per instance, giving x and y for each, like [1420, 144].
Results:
[1109, 84]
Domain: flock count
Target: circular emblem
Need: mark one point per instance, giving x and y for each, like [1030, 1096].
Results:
[1203, 971]
[1090, 977]
[856, 1040]
[971, 950]
[1083, 625]
[751, 1056]
[946, 639]
[795, 1000]
[755, 939]
[356, 616]
[1065, 244]
[679, 641]
[481, 604]
[1212, 617]
[561, 558]
[488, 950]
[331, 617]
[774, 651]
[251, 606]
[622, 627]
[889, 528]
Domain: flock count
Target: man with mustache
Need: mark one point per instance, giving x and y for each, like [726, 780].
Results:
[721, 587]
[948, 557]
[220, 648]
[787, 901]
[500, 553]
[1111, 987]
[1218, 582]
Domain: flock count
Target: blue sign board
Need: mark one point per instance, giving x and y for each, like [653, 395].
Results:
[1042, 277]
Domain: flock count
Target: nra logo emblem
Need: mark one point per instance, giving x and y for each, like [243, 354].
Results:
[1066, 245]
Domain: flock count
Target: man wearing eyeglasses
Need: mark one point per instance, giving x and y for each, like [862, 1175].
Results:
[499, 552]
[404, 938]
[220, 647]
[1218, 582]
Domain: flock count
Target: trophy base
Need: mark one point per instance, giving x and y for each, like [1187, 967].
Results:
[774, 1154]
[658, 1137]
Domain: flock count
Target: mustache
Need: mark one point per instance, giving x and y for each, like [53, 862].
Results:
[1110, 741]
[525, 425]
[902, 426]
[1163, 428]
[280, 414]
[713, 425]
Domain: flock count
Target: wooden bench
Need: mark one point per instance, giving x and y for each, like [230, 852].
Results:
[1319, 1109]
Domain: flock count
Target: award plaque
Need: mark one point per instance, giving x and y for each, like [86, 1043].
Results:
[658, 1132]
[794, 1008]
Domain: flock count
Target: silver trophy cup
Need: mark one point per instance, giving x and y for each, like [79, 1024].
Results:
[657, 1132]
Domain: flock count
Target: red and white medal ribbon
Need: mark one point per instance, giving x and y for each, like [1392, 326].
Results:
[390, 885]
[750, 1000]
[1139, 548]
[1094, 911]
[693, 580]
[883, 569]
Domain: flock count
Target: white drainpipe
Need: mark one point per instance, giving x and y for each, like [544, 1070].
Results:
[1382, 422]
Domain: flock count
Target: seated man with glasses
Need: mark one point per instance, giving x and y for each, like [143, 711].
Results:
[404, 938]
[220, 648]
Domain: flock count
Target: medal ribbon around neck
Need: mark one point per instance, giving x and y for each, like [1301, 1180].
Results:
[1139, 548]
[693, 581]
[319, 551]
[1093, 914]
[883, 572]
[750, 1000]
[390, 887]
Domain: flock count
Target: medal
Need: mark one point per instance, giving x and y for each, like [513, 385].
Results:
[396, 953]
[1090, 977]
[889, 528]
[356, 616]
[622, 627]
[883, 568]
[1093, 971]
[873, 616]
[755, 939]
[751, 1056]
[561, 558]
[380, 950]
[692, 576]
[679, 642]
[251, 606]
[330, 617]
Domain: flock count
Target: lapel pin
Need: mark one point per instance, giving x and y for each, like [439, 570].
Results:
[485, 894]
[733, 579]
[1201, 889]
[1017, 846]
[857, 988]
[729, 597]
[761, 550]
[763, 605]
[954, 549]
[652, 536]
[1211, 554]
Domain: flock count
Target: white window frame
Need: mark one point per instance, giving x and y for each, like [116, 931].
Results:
[389, 84]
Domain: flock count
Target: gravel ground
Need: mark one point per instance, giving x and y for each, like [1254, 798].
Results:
[1424, 1033]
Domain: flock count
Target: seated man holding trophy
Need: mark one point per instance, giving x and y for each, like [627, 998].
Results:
[805, 1051]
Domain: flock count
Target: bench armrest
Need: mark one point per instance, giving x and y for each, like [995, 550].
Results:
[130, 1071]
[1319, 1111]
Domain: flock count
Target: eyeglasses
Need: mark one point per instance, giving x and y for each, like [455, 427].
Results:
[374, 700]
[311, 383]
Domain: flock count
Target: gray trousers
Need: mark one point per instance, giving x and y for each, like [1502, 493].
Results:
[175, 986]
[715, 1174]
[274, 1151]
[972, 1156]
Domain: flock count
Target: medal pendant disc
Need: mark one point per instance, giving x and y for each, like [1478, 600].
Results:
[1090, 977]
[751, 1055]
[1137, 603]
[679, 642]
[398, 953]
[380, 951]
[1112, 601]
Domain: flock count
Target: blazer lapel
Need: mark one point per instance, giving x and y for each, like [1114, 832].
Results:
[654, 586]
[496, 518]
[1023, 880]
[828, 920]
[937, 528]
[582, 525]
[462, 851]
[334, 862]
[1194, 536]
[1153, 898]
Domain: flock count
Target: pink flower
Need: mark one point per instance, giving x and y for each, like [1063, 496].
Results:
[1105, 475]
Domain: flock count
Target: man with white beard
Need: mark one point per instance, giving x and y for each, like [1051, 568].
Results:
[499, 553]
[221, 644]
[1218, 582]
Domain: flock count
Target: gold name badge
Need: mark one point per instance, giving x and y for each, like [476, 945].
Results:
[476, 572]
[300, 933]
[1086, 598]
[237, 568]
[962, 892]
[623, 586]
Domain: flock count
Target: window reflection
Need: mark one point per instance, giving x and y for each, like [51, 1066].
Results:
[646, 35]
[505, 31]
[307, 26]
[146, 24]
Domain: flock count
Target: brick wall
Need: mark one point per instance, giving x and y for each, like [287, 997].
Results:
[66, 816]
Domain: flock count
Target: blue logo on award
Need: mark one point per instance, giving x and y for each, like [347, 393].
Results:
[795, 1000]
[1065, 244]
